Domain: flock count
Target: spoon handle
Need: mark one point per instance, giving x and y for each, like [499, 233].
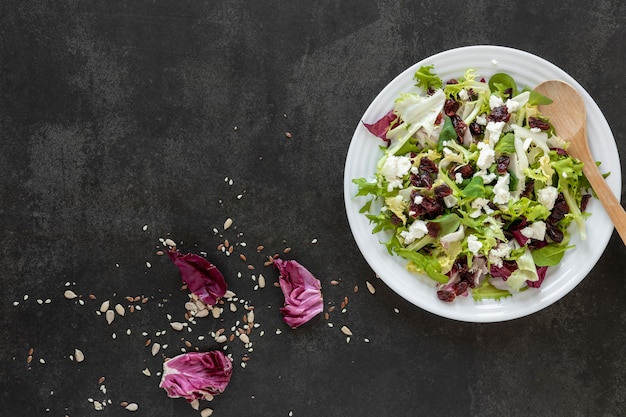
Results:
[611, 204]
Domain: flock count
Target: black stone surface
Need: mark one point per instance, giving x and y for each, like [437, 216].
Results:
[120, 114]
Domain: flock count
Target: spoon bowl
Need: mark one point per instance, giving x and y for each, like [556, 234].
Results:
[568, 116]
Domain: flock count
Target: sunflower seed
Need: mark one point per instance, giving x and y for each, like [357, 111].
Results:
[132, 407]
[104, 306]
[228, 223]
[176, 326]
[206, 412]
[110, 316]
[69, 294]
[78, 355]
[345, 330]
[119, 309]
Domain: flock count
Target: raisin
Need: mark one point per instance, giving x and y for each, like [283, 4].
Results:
[534, 122]
[559, 210]
[423, 179]
[502, 164]
[450, 107]
[499, 114]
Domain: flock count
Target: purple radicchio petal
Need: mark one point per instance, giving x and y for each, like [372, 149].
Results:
[201, 276]
[196, 375]
[517, 232]
[302, 291]
[541, 272]
[381, 127]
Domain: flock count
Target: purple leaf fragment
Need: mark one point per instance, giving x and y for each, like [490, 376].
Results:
[302, 291]
[196, 375]
[381, 127]
[201, 276]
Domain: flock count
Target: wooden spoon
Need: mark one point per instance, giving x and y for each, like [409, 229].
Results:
[568, 116]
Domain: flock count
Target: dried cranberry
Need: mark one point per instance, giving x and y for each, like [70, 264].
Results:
[422, 179]
[534, 122]
[461, 287]
[442, 191]
[499, 114]
[430, 91]
[428, 166]
[395, 220]
[528, 188]
[452, 81]
[433, 229]
[502, 164]
[559, 210]
[466, 171]
[554, 232]
[438, 119]
[584, 202]
[446, 295]
[450, 107]
[432, 207]
[459, 126]
[476, 129]
[508, 92]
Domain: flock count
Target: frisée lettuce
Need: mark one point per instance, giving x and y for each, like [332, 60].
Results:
[474, 188]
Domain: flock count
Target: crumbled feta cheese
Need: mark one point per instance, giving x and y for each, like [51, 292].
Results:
[473, 244]
[450, 201]
[487, 177]
[481, 119]
[416, 230]
[501, 190]
[547, 196]
[394, 168]
[536, 230]
[418, 199]
[512, 105]
[493, 131]
[458, 178]
[463, 95]
[496, 254]
[480, 204]
[495, 101]
[486, 157]
[535, 130]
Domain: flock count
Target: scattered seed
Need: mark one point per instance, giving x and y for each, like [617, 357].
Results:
[221, 339]
[345, 330]
[124, 403]
[101, 380]
[326, 316]
[242, 257]
[260, 248]
[288, 135]
[261, 281]
[286, 250]
[195, 404]
[206, 412]
[356, 288]
[370, 287]
[176, 326]
[110, 316]
[69, 294]
[92, 297]
[119, 309]
[216, 312]
[250, 316]
[228, 223]
[155, 349]
[29, 359]
[170, 243]
[334, 282]
[104, 306]
[160, 253]
[244, 338]
[78, 355]
[202, 313]
[132, 407]
[251, 267]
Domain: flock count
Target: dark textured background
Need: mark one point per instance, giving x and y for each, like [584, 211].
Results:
[120, 114]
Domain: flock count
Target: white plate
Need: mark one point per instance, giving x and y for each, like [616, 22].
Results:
[364, 152]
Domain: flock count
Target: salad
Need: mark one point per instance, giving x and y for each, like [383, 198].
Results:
[474, 188]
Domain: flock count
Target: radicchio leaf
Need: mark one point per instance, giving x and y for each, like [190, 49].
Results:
[302, 291]
[201, 276]
[541, 272]
[381, 127]
[196, 375]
